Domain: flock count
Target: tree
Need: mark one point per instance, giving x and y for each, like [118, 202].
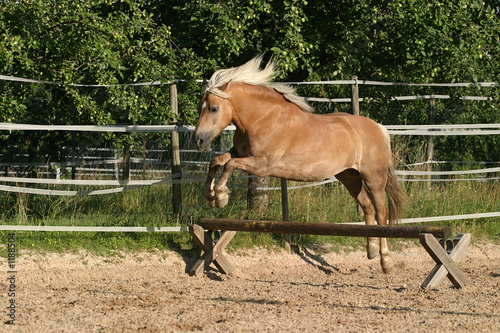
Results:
[82, 42]
[398, 41]
[388, 40]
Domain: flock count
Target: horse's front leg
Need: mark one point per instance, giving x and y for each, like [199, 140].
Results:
[216, 163]
[252, 165]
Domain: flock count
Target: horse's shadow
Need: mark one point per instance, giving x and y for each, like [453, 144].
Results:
[315, 260]
[190, 257]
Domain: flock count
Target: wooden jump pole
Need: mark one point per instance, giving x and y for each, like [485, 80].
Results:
[445, 252]
[329, 229]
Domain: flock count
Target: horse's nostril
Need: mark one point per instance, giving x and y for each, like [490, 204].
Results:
[198, 142]
[202, 141]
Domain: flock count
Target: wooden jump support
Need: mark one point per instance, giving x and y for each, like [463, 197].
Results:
[435, 240]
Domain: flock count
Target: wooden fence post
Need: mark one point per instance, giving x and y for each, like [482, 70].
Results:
[355, 96]
[176, 157]
[430, 140]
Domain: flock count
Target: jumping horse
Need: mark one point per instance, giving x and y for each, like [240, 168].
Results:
[278, 135]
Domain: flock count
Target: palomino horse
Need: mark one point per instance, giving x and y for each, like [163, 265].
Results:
[277, 135]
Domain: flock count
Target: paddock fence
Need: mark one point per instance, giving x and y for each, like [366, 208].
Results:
[96, 170]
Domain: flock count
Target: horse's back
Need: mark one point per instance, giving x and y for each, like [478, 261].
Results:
[372, 139]
[363, 126]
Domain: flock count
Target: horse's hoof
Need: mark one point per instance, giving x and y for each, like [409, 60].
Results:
[211, 203]
[210, 197]
[387, 264]
[221, 200]
[372, 250]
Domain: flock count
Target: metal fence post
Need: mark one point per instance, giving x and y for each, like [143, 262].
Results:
[284, 209]
[355, 111]
[430, 140]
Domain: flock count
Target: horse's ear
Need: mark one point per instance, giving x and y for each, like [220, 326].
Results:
[224, 86]
[204, 86]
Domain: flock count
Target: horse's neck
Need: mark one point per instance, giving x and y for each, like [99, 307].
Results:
[254, 104]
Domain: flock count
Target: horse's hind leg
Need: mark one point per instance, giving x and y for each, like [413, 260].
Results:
[354, 184]
[377, 192]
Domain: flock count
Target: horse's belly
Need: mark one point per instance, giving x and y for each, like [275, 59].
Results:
[311, 170]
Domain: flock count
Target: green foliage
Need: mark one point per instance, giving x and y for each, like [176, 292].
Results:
[113, 42]
[406, 41]
[87, 42]
[82, 42]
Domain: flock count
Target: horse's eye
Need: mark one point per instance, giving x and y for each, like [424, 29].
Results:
[213, 109]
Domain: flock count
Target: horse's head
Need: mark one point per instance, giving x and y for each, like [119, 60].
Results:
[215, 115]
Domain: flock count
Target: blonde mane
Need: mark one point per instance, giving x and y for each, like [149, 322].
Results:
[250, 73]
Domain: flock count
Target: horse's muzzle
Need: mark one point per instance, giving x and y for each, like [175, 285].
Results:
[201, 140]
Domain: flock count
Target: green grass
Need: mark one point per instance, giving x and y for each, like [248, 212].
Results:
[151, 206]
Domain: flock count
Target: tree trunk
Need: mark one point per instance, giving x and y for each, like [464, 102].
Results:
[258, 199]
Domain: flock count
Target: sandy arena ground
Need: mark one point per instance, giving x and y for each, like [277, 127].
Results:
[271, 292]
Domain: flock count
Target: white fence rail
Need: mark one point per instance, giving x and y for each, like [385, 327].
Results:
[185, 228]
[460, 129]
[335, 82]
[433, 130]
